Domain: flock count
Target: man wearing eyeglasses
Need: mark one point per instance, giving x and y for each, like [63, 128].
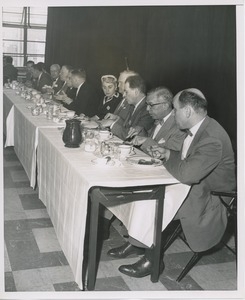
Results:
[165, 132]
[205, 163]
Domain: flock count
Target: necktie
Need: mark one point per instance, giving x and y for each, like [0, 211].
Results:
[119, 107]
[54, 83]
[128, 121]
[157, 122]
[186, 143]
[188, 132]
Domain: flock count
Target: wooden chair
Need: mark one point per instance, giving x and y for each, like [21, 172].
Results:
[113, 196]
[178, 232]
[232, 212]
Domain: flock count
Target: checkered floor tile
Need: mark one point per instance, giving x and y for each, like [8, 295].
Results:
[34, 260]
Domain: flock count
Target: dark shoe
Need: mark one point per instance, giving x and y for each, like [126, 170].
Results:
[125, 250]
[141, 268]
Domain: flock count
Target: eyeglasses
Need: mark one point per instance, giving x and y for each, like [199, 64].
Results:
[153, 104]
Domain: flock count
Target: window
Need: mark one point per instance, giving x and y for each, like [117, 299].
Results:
[24, 33]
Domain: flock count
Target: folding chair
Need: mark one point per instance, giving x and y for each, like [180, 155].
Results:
[177, 232]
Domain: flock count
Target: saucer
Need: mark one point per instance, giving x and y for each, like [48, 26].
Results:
[144, 161]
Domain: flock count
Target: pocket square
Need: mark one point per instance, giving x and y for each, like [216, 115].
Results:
[161, 141]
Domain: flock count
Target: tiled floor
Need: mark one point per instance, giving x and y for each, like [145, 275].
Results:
[34, 260]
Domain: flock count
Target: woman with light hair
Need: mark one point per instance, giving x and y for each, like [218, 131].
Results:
[111, 99]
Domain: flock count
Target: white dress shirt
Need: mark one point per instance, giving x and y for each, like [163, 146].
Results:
[79, 88]
[135, 107]
[160, 124]
[189, 139]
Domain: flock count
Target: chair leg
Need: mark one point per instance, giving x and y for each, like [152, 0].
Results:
[235, 235]
[172, 237]
[194, 259]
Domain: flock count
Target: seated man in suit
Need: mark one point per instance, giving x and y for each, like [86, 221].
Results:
[111, 99]
[60, 92]
[29, 78]
[123, 106]
[165, 133]
[137, 116]
[86, 100]
[9, 71]
[57, 82]
[206, 163]
[70, 94]
[42, 79]
[55, 71]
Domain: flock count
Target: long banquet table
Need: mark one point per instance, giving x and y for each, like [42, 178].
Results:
[22, 130]
[65, 176]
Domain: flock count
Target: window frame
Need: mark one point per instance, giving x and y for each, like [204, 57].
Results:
[25, 25]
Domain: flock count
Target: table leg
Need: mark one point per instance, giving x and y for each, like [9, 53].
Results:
[93, 231]
[158, 233]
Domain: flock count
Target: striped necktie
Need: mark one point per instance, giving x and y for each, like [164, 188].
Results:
[128, 121]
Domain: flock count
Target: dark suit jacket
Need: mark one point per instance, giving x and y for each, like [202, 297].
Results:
[168, 136]
[122, 109]
[9, 72]
[85, 102]
[140, 117]
[209, 165]
[71, 92]
[110, 106]
[45, 79]
[57, 85]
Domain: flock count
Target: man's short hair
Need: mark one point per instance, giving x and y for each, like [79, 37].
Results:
[42, 65]
[162, 94]
[9, 59]
[194, 100]
[68, 67]
[128, 72]
[30, 62]
[56, 66]
[79, 73]
[136, 82]
[38, 67]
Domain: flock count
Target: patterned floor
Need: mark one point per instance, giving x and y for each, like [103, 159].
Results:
[34, 260]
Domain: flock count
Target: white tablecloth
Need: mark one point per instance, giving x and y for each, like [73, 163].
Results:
[9, 100]
[65, 176]
[22, 131]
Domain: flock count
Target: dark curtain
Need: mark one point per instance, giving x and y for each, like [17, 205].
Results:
[175, 46]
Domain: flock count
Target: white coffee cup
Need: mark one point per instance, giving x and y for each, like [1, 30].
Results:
[125, 150]
[70, 114]
[104, 135]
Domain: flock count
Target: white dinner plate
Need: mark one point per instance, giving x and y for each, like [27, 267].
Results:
[89, 124]
[144, 161]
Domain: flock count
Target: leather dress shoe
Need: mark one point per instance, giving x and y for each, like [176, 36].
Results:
[141, 268]
[125, 250]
